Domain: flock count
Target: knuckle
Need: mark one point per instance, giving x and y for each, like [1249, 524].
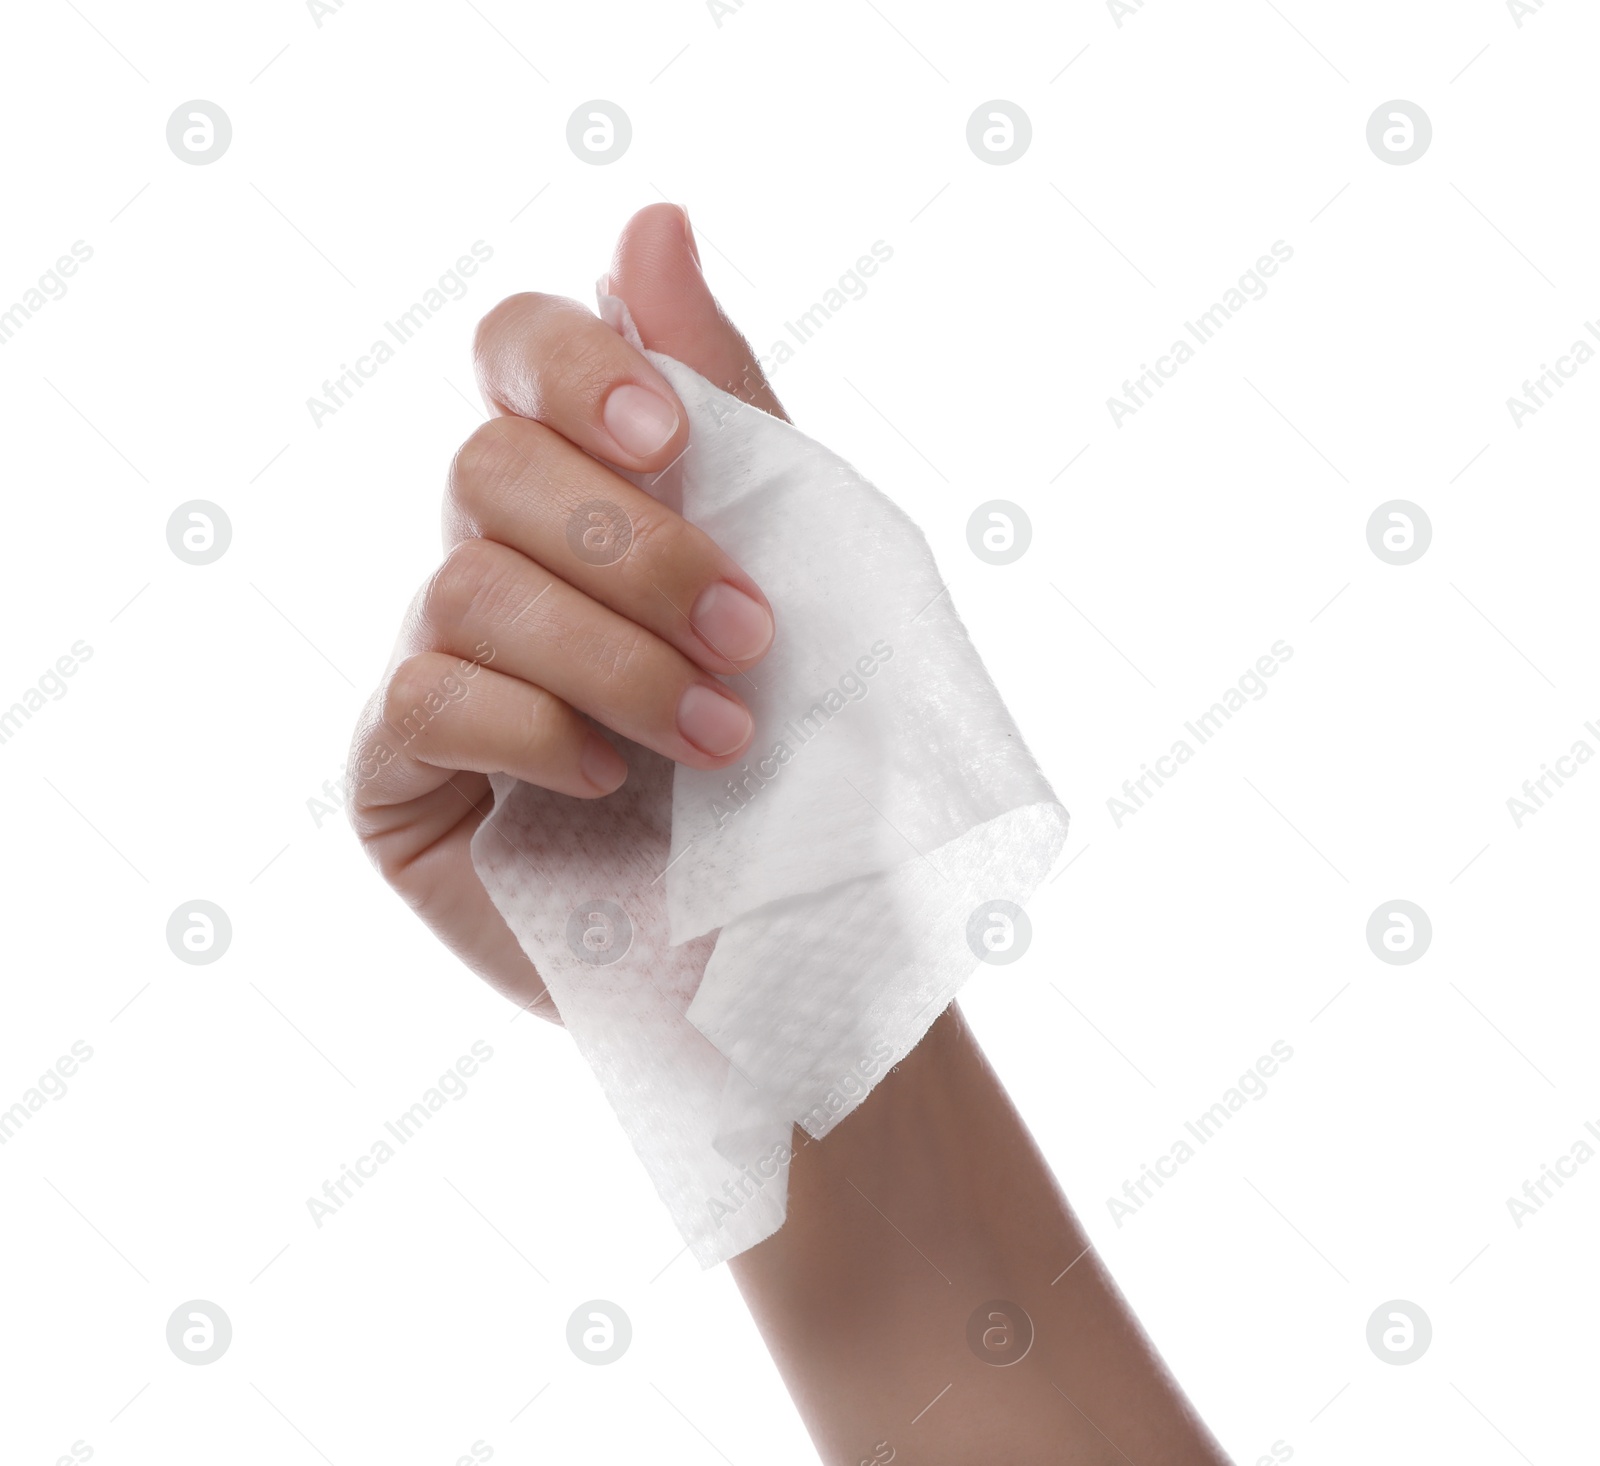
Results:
[369, 756]
[546, 724]
[468, 576]
[478, 462]
[620, 660]
[659, 550]
[413, 693]
[669, 562]
[581, 364]
[656, 538]
[530, 343]
[492, 461]
[505, 321]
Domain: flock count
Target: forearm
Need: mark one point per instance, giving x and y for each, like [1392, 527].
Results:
[926, 1204]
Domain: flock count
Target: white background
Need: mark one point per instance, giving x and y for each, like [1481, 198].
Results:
[1168, 154]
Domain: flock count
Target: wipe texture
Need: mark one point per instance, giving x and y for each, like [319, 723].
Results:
[741, 951]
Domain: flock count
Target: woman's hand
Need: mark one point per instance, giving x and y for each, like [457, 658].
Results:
[521, 647]
[567, 600]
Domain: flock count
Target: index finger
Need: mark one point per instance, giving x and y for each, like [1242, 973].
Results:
[553, 360]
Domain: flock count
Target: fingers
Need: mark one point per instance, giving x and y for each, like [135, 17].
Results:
[493, 604]
[553, 360]
[577, 635]
[542, 357]
[523, 485]
[592, 599]
[656, 269]
[475, 718]
[417, 820]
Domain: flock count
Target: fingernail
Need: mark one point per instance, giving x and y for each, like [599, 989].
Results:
[688, 234]
[713, 722]
[602, 765]
[731, 623]
[640, 421]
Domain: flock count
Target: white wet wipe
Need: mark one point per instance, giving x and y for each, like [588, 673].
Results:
[742, 951]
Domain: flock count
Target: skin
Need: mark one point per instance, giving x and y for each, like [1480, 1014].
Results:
[929, 1201]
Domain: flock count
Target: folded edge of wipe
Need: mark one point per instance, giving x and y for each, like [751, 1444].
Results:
[742, 951]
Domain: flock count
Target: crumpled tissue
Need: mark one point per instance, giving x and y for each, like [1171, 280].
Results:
[742, 951]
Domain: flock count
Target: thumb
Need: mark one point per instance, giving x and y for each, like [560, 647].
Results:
[656, 269]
